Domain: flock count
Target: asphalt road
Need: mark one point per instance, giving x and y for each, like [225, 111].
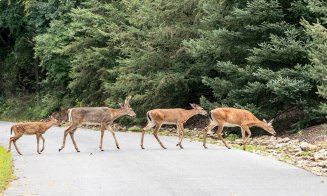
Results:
[153, 171]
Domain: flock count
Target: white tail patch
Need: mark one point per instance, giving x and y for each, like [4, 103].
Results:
[70, 115]
[151, 122]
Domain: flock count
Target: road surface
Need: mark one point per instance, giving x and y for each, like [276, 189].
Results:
[153, 171]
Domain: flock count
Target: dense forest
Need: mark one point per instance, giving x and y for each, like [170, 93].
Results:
[267, 56]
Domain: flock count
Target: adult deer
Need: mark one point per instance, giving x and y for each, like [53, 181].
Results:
[231, 117]
[98, 115]
[177, 116]
[31, 128]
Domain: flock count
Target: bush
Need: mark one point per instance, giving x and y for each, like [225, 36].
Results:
[28, 108]
[232, 137]
[135, 129]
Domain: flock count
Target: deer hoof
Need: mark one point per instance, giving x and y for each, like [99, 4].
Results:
[118, 147]
[142, 148]
[60, 149]
[77, 150]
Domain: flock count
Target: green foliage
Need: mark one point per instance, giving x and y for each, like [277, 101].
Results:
[135, 129]
[232, 137]
[156, 70]
[306, 153]
[258, 59]
[6, 168]
[318, 47]
[30, 108]
[254, 54]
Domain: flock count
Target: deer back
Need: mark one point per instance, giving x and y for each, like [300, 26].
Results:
[232, 115]
[30, 128]
[169, 115]
[88, 114]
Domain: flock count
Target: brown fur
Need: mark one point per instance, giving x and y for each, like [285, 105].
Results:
[100, 115]
[177, 116]
[30, 128]
[237, 117]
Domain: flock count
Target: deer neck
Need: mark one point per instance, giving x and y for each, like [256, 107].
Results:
[260, 124]
[116, 113]
[190, 113]
[49, 124]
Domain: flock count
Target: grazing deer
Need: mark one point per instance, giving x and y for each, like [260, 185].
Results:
[99, 115]
[31, 128]
[231, 117]
[178, 117]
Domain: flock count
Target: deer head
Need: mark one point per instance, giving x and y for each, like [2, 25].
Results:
[199, 109]
[127, 108]
[269, 128]
[54, 121]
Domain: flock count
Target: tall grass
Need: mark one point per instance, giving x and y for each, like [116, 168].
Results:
[6, 168]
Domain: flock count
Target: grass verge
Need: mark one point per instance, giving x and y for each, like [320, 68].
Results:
[6, 169]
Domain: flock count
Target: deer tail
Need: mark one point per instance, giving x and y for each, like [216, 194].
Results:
[210, 116]
[70, 115]
[148, 115]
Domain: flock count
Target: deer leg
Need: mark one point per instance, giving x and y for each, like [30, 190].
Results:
[243, 136]
[71, 127]
[247, 130]
[113, 134]
[178, 133]
[9, 148]
[71, 133]
[43, 142]
[155, 133]
[220, 129]
[16, 147]
[181, 135]
[102, 134]
[38, 142]
[147, 127]
[13, 140]
[205, 131]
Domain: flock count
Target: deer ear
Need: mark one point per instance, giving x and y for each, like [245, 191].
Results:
[264, 120]
[195, 105]
[121, 105]
[128, 99]
[271, 121]
[192, 105]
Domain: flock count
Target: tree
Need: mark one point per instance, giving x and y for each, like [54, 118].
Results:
[258, 52]
[318, 47]
[154, 67]
[78, 51]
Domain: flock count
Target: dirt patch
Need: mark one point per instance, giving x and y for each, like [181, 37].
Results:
[314, 135]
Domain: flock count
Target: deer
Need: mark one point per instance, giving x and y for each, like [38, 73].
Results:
[177, 116]
[104, 116]
[31, 128]
[232, 117]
